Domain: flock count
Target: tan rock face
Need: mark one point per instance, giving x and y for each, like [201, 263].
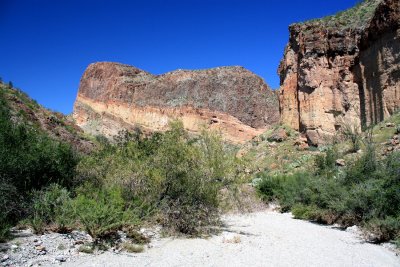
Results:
[232, 100]
[330, 76]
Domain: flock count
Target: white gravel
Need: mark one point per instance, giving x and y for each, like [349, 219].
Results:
[258, 239]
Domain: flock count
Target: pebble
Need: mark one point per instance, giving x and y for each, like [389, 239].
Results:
[5, 257]
[40, 248]
[14, 247]
[61, 258]
[38, 242]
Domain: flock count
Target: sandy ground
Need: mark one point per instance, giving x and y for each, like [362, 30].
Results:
[258, 239]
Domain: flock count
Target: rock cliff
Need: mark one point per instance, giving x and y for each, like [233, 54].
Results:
[232, 100]
[342, 69]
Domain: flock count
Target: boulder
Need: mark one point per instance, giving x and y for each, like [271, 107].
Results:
[278, 135]
[340, 162]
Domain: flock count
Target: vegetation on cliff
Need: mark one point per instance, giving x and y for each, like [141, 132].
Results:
[353, 18]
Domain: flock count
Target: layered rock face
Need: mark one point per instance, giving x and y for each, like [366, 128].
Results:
[342, 69]
[232, 100]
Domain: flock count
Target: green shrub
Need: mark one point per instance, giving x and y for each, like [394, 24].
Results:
[169, 176]
[288, 189]
[364, 168]
[132, 248]
[326, 162]
[313, 213]
[352, 133]
[50, 206]
[29, 161]
[385, 229]
[366, 192]
[391, 185]
[4, 229]
[135, 236]
[86, 248]
[10, 205]
[101, 211]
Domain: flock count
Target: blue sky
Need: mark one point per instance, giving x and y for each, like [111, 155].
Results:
[46, 45]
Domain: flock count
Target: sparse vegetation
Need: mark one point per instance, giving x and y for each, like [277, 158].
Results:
[86, 248]
[132, 248]
[355, 17]
[353, 134]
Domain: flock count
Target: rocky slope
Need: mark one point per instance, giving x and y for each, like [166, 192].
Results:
[232, 100]
[342, 69]
[25, 110]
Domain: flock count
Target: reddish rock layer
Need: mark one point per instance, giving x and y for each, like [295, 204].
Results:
[335, 75]
[233, 100]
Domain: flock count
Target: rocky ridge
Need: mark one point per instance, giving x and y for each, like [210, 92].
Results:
[27, 111]
[342, 69]
[232, 100]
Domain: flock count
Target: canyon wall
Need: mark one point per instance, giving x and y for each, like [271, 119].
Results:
[342, 69]
[231, 100]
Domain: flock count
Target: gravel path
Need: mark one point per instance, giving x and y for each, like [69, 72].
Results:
[257, 239]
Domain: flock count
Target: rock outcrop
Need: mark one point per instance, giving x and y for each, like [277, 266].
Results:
[232, 100]
[342, 69]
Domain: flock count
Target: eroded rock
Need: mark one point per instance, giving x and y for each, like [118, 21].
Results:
[233, 100]
[331, 75]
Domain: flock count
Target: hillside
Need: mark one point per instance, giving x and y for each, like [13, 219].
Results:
[24, 110]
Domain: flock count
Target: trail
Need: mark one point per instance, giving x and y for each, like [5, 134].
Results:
[258, 239]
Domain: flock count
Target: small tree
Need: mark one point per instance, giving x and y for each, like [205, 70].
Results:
[10, 85]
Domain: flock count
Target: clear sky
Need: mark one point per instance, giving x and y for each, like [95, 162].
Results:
[46, 45]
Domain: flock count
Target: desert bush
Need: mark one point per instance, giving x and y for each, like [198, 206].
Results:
[171, 176]
[29, 161]
[10, 206]
[51, 206]
[312, 213]
[287, 189]
[352, 133]
[364, 168]
[132, 248]
[325, 163]
[385, 229]
[101, 211]
[86, 248]
[366, 192]
[135, 236]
